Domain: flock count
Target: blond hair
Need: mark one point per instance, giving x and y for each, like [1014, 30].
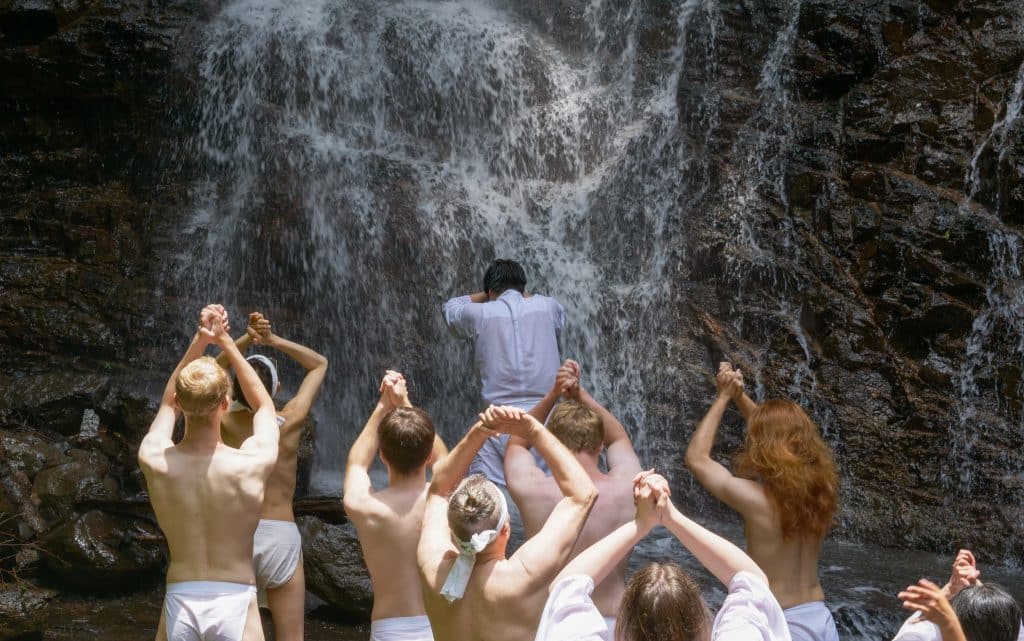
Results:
[577, 426]
[473, 507]
[200, 387]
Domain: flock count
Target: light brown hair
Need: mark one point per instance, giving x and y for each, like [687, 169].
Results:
[406, 438]
[473, 507]
[200, 387]
[577, 426]
[785, 451]
[662, 603]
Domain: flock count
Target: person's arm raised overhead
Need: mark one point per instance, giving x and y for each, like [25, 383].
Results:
[161, 429]
[622, 458]
[265, 432]
[260, 332]
[719, 556]
[930, 601]
[544, 554]
[598, 560]
[243, 343]
[744, 403]
[463, 313]
[742, 495]
[357, 487]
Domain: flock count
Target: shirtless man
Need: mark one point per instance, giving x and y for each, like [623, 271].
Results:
[784, 462]
[389, 521]
[470, 590]
[585, 427]
[277, 547]
[206, 495]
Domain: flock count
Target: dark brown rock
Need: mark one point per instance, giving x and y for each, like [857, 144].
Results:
[335, 572]
[22, 610]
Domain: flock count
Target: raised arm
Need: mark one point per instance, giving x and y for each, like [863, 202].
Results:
[622, 457]
[357, 486]
[744, 403]
[742, 495]
[449, 472]
[930, 601]
[566, 383]
[719, 556]
[463, 312]
[243, 343]
[162, 428]
[544, 554]
[265, 432]
[315, 364]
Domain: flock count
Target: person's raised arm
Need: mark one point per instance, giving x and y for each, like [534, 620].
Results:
[621, 455]
[315, 364]
[744, 403]
[566, 382]
[162, 428]
[462, 313]
[742, 495]
[243, 343]
[544, 554]
[598, 560]
[265, 432]
[930, 601]
[719, 556]
[449, 472]
[357, 486]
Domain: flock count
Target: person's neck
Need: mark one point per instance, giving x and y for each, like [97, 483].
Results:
[201, 434]
[493, 552]
[413, 480]
[588, 460]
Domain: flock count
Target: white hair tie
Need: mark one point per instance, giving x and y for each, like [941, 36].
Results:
[458, 577]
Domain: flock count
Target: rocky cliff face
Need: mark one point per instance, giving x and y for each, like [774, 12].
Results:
[846, 226]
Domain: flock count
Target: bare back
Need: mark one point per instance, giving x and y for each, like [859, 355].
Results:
[791, 566]
[208, 506]
[536, 500]
[389, 524]
[279, 496]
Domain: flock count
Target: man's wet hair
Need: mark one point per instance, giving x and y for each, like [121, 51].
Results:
[263, 372]
[504, 274]
[987, 612]
[406, 436]
[200, 387]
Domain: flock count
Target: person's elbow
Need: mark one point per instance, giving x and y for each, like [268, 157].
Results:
[695, 461]
[585, 497]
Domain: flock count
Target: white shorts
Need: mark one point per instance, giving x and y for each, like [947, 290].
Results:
[401, 629]
[811, 622]
[207, 610]
[276, 552]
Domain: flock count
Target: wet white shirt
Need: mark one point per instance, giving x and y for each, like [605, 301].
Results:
[917, 629]
[516, 344]
[749, 613]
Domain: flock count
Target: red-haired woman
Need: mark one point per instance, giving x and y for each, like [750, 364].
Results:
[786, 489]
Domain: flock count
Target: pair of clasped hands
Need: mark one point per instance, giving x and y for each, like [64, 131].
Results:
[214, 323]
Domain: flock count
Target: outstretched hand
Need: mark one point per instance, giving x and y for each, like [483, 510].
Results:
[729, 382]
[930, 600]
[508, 420]
[965, 573]
[213, 322]
[259, 329]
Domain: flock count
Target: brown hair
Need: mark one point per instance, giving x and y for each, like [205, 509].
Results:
[200, 387]
[785, 451]
[473, 507]
[577, 426]
[662, 603]
[406, 438]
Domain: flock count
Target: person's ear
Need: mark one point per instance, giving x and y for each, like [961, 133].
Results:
[177, 405]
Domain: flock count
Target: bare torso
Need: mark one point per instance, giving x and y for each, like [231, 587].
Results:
[613, 508]
[500, 604]
[389, 526]
[791, 566]
[280, 491]
[208, 506]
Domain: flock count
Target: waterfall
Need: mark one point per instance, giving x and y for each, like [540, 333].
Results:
[362, 161]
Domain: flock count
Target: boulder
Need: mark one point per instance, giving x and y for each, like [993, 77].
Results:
[22, 610]
[98, 552]
[335, 572]
[85, 476]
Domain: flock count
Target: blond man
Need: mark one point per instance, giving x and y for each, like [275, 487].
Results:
[207, 496]
[471, 591]
[389, 520]
[587, 429]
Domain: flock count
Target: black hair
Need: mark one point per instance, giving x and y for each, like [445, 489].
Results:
[987, 612]
[263, 372]
[504, 274]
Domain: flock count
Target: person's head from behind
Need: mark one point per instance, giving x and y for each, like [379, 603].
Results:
[784, 449]
[406, 437]
[662, 603]
[476, 506]
[265, 370]
[201, 389]
[577, 426]
[987, 612]
[502, 275]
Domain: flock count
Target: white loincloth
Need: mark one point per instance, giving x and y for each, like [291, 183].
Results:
[401, 629]
[276, 553]
[207, 610]
[811, 621]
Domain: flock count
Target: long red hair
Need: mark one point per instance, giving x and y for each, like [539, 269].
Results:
[785, 451]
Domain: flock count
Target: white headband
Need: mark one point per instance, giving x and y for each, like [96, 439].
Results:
[260, 358]
[458, 577]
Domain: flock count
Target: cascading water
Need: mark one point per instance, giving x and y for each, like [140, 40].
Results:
[363, 161]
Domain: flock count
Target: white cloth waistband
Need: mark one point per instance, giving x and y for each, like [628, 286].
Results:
[209, 587]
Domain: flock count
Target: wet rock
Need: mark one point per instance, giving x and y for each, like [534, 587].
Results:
[22, 610]
[30, 452]
[103, 552]
[85, 476]
[55, 401]
[335, 572]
